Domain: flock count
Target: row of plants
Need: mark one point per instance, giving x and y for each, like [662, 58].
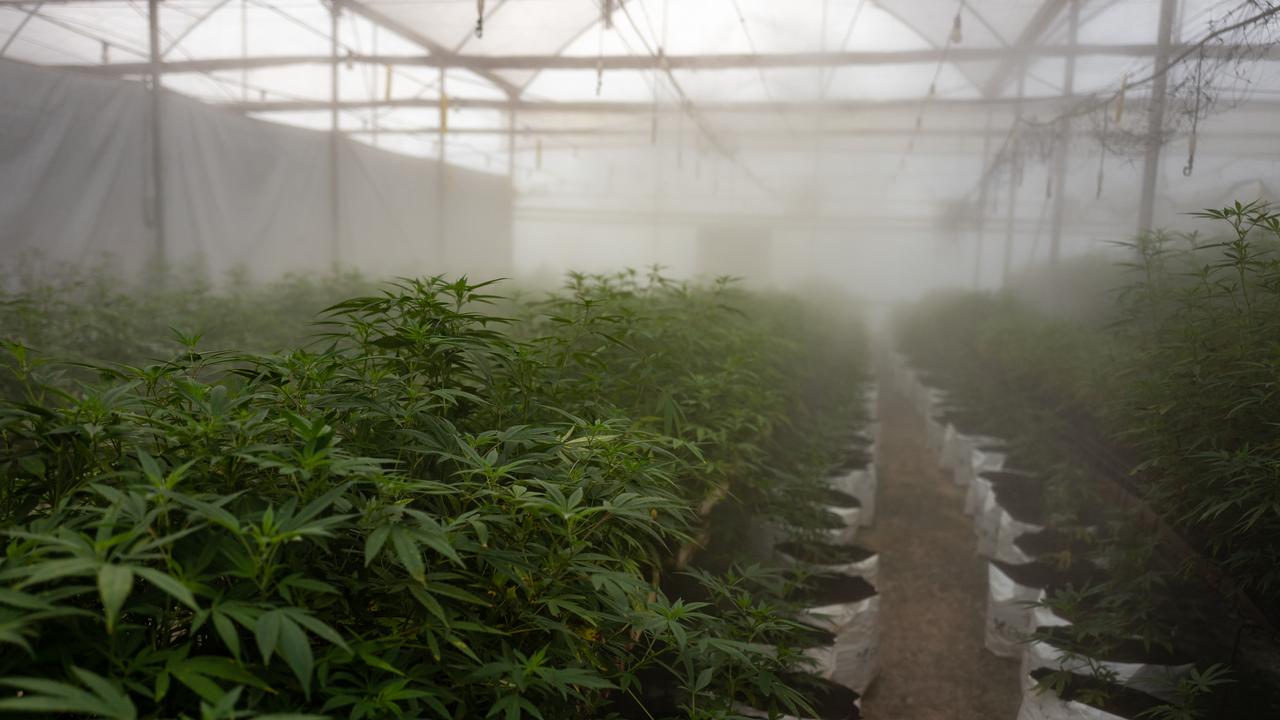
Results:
[1150, 418]
[442, 504]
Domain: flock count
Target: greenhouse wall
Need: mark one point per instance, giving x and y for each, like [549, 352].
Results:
[240, 194]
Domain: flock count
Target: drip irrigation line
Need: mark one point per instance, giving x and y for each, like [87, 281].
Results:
[952, 37]
[688, 108]
[830, 73]
[755, 55]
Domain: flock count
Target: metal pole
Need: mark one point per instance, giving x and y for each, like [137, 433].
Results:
[1064, 138]
[335, 194]
[1155, 118]
[157, 137]
[511, 146]
[442, 172]
[244, 49]
[1012, 201]
[982, 206]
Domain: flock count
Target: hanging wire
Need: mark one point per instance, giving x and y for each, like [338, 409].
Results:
[953, 38]
[479, 18]
[605, 23]
[1195, 118]
[1102, 155]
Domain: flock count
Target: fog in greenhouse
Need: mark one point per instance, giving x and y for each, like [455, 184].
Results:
[640, 359]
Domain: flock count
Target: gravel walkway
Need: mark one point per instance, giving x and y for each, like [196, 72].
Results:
[933, 590]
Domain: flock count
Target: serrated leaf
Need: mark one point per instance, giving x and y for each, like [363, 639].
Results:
[169, 585]
[114, 584]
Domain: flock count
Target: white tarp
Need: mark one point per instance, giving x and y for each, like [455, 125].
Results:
[76, 186]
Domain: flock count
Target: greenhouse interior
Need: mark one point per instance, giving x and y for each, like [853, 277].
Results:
[640, 359]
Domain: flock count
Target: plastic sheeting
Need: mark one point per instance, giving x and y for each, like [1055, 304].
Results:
[856, 626]
[76, 185]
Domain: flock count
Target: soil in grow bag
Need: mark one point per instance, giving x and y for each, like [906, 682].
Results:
[1107, 697]
[828, 589]
[835, 498]
[968, 422]
[820, 553]
[1051, 542]
[1022, 498]
[854, 459]
[657, 694]
[807, 636]
[1126, 650]
[829, 700]
[1043, 575]
[1009, 476]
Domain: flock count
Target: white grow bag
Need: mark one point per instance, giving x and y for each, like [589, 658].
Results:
[979, 487]
[856, 626]
[1008, 531]
[936, 431]
[1159, 681]
[861, 484]
[1008, 613]
[774, 533]
[1048, 706]
[750, 712]
[987, 522]
[845, 535]
[823, 658]
[968, 460]
[868, 568]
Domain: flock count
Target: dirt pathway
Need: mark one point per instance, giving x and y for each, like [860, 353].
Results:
[933, 590]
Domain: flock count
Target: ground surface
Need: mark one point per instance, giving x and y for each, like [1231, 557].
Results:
[933, 590]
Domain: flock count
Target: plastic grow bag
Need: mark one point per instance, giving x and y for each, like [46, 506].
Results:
[1007, 532]
[867, 568]
[1048, 706]
[857, 629]
[1008, 613]
[987, 523]
[862, 484]
[979, 461]
[1160, 681]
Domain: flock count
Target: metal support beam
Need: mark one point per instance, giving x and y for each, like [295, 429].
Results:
[1155, 117]
[1063, 141]
[1024, 46]
[511, 146]
[18, 30]
[481, 64]
[981, 221]
[436, 49]
[647, 108]
[335, 133]
[1012, 200]
[157, 140]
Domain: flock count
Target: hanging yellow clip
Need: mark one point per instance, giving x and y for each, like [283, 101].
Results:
[388, 87]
